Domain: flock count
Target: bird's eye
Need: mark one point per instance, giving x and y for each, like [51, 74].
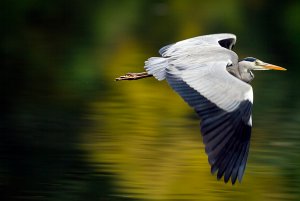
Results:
[256, 63]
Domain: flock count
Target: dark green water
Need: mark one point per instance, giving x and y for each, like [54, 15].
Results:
[70, 132]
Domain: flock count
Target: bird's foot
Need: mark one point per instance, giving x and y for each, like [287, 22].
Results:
[133, 76]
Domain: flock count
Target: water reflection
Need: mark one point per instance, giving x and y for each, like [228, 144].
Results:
[150, 140]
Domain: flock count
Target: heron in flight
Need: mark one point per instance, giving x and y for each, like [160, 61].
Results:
[207, 74]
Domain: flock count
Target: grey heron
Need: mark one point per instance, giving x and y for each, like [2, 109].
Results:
[207, 74]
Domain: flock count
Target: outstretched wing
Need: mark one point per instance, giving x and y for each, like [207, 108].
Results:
[225, 40]
[156, 66]
[222, 101]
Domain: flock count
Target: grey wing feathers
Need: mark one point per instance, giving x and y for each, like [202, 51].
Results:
[224, 40]
[226, 135]
[210, 77]
[224, 104]
[156, 66]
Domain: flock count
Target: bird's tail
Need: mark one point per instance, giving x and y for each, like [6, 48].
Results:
[156, 66]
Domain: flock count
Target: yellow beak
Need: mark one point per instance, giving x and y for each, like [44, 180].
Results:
[273, 67]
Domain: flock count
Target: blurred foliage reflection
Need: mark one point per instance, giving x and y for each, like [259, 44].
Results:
[69, 132]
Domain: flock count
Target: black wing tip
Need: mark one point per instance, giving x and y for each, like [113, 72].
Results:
[230, 161]
[230, 179]
[233, 168]
[227, 43]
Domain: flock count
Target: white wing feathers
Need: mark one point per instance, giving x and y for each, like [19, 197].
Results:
[204, 69]
[156, 66]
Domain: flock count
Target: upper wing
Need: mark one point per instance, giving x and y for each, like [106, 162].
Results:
[222, 101]
[224, 40]
[156, 66]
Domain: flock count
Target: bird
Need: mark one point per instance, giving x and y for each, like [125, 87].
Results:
[208, 75]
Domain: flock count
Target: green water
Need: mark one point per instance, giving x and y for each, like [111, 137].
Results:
[70, 132]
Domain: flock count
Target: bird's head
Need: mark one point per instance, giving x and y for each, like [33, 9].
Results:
[255, 64]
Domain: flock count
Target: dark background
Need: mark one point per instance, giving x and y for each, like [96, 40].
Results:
[70, 132]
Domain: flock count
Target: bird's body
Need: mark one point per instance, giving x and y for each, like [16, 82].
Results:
[206, 73]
